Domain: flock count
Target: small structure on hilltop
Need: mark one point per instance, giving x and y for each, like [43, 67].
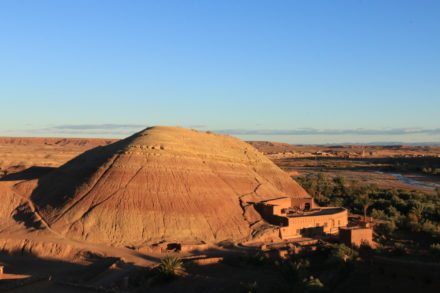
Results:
[299, 217]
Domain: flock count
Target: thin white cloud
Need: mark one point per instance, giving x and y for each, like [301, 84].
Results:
[96, 126]
[313, 131]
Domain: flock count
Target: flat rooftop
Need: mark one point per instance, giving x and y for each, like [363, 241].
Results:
[355, 228]
[317, 212]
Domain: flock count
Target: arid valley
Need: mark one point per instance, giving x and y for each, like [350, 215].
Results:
[220, 146]
[87, 215]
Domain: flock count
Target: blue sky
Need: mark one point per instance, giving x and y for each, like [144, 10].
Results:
[295, 71]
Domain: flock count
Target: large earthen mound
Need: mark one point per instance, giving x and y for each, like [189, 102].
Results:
[162, 184]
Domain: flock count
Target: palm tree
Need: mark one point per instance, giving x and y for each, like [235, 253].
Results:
[364, 201]
[418, 210]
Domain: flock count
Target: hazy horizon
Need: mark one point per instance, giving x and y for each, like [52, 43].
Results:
[301, 72]
[77, 131]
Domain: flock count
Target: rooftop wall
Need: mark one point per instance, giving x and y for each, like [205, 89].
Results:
[329, 223]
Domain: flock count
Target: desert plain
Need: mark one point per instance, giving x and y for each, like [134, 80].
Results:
[87, 215]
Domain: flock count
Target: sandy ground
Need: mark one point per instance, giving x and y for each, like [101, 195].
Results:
[19, 154]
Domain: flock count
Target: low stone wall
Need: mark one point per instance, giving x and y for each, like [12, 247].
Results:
[207, 261]
[18, 283]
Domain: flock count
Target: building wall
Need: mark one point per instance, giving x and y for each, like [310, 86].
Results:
[301, 202]
[360, 235]
[273, 211]
[328, 223]
[279, 204]
[355, 236]
[268, 213]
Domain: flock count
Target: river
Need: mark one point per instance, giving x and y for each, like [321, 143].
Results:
[423, 184]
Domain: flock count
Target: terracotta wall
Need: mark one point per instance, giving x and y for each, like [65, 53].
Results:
[330, 224]
[355, 236]
[268, 213]
[301, 202]
[362, 235]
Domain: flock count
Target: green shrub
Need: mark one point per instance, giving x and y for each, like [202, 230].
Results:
[386, 229]
[171, 266]
[379, 214]
[342, 253]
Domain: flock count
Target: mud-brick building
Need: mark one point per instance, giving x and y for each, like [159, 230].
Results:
[355, 235]
[299, 217]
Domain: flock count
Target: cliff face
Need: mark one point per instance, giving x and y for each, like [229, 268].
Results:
[163, 183]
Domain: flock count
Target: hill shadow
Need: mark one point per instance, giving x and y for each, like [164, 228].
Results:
[63, 276]
[56, 188]
[31, 173]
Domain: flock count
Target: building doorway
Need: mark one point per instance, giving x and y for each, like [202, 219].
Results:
[307, 206]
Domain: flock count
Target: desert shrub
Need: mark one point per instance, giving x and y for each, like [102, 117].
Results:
[386, 229]
[248, 287]
[171, 266]
[294, 271]
[435, 250]
[399, 249]
[429, 227]
[381, 248]
[341, 253]
[256, 258]
[339, 180]
[312, 285]
[337, 202]
[394, 214]
[365, 248]
[379, 214]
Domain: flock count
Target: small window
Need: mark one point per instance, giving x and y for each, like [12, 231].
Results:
[325, 224]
